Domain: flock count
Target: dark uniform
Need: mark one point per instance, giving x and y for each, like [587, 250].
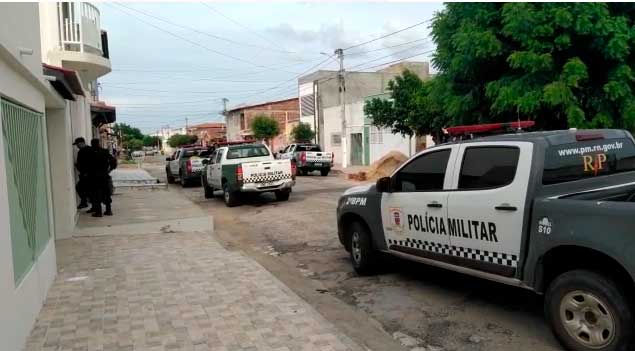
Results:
[100, 165]
[83, 163]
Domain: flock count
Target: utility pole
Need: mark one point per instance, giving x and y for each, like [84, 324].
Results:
[224, 100]
[342, 100]
[186, 128]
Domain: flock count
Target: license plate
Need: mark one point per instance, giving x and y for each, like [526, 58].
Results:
[265, 184]
[318, 164]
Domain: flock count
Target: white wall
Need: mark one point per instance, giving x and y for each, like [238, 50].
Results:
[232, 122]
[20, 80]
[61, 155]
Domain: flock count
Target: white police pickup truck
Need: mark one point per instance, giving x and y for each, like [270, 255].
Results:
[553, 212]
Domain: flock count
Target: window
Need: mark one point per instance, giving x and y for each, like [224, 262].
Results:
[308, 147]
[336, 139]
[246, 151]
[425, 173]
[574, 161]
[219, 155]
[376, 136]
[488, 167]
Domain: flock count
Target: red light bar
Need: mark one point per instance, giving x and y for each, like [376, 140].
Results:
[489, 127]
[589, 136]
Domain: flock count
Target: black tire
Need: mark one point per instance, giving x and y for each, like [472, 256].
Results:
[208, 190]
[302, 172]
[231, 198]
[169, 176]
[604, 312]
[325, 172]
[282, 195]
[363, 256]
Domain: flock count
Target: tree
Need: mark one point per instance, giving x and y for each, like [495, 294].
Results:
[134, 144]
[302, 133]
[151, 140]
[561, 64]
[265, 128]
[177, 140]
[127, 131]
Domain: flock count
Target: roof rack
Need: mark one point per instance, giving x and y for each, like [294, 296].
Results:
[479, 130]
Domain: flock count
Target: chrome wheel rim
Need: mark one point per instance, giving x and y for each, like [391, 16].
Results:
[226, 195]
[587, 319]
[356, 248]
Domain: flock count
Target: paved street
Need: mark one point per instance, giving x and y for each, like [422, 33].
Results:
[420, 306]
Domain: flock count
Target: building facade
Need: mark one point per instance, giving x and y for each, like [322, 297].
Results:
[27, 245]
[286, 112]
[209, 133]
[321, 107]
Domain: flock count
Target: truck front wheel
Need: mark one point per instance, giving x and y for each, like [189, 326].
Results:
[588, 311]
[169, 176]
[363, 256]
[208, 190]
[230, 197]
[325, 171]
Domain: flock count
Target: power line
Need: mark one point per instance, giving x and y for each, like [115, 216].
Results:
[243, 26]
[198, 31]
[386, 56]
[399, 60]
[190, 41]
[385, 48]
[387, 35]
[173, 91]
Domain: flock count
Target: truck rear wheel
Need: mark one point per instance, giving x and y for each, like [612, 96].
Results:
[208, 190]
[282, 195]
[588, 311]
[363, 256]
[169, 176]
[325, 172]
[230, 197]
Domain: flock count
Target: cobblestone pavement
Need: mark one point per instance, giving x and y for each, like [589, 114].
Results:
[177, 291]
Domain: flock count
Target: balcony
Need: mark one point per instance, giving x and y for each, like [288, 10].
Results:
[83, 45]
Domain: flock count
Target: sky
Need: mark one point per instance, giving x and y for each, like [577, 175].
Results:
[172, 61]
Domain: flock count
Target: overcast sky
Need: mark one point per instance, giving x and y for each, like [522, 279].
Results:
[176, 60]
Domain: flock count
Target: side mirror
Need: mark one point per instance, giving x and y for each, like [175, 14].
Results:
[384, 185]
[205, 161]
[168, 159]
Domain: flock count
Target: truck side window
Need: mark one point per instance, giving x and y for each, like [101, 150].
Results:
[212, 158]
[219, 156]
[488, 167]
[425, 173]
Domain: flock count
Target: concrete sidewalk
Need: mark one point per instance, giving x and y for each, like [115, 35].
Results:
[172, 290]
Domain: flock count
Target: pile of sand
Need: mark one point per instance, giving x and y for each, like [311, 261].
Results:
[382, 167]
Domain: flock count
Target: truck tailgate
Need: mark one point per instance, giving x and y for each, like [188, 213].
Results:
[197, 164]
[266, 171]
[313, 156]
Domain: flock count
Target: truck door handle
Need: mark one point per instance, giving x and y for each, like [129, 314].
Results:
[505, 207]
[435, 205]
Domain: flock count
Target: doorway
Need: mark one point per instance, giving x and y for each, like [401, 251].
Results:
[357, 149]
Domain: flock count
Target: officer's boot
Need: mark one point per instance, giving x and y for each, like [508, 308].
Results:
[108, 210]
[82, 204]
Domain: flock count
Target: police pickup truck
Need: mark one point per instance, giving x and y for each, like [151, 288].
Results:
[553, 212]
[185, 165]
[308, 158]
[246, 168]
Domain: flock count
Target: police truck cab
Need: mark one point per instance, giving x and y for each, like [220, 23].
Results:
[552, 212]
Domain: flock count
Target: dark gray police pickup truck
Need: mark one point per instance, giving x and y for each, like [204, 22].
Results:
[553, 212]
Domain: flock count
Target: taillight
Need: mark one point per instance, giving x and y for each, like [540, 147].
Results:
[188, 166]
[294, 170]
[303, 156]
[239, 174]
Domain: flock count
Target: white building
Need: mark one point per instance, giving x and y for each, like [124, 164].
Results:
[164, 134]
[42, 109]
[73, 42]
[320, 107]
[27, 248]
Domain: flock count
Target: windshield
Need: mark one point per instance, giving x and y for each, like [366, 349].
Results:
[574, 161]
[245, 151]
[308, 148]
[192, 152]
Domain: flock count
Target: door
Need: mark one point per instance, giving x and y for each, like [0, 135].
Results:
[287, 154]
[357, 149]
[217, 170]
[486, 211]
[210, 167]
[174, 164]
[414, 214]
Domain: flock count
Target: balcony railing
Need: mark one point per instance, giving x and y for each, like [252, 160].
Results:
[80, 28]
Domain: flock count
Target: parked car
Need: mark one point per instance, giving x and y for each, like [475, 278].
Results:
[185, 165]
[308, 158]
[550, 212]
[247, 168]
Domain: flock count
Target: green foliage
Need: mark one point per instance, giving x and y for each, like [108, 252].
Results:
[177, 140]
[560, 64]
[127, 131]
[302, 133]
[134, 144]
[264, 127]
[151, 140]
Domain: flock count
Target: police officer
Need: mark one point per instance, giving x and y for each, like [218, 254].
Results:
[83, 163]
[102, 162]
